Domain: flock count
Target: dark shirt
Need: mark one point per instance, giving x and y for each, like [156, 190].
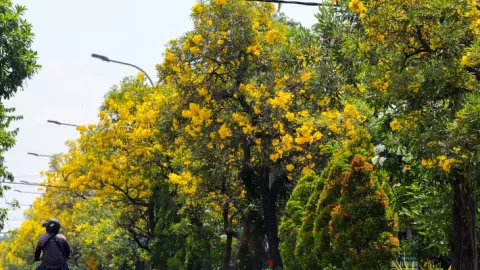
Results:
[53, 254]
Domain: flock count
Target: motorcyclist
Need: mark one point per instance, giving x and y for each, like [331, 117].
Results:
[54, 246]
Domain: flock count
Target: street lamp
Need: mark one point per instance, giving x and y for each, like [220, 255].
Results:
[20, 191]
[60, 123]
[106, 59]
[39, 155]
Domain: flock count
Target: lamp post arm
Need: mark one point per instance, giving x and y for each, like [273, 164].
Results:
[127, 64]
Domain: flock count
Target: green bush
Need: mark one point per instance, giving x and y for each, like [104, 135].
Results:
[341, 219]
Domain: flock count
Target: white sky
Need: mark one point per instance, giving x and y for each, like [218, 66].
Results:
[71, 85]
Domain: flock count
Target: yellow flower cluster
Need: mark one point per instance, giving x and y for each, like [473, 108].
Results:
[199, 116]
[474, 15]
[304, 134]
[428, 163]
[198, 8]
[282, 99]
[273, 36]
[220, 2]
[225, 132]
[186, 183]
[357, 6]
[446, 163]
[306, 76]
[441, 161]
[255, 49]
[244, 122]
[395, 125]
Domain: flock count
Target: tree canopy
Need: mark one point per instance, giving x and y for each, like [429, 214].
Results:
[267, 145]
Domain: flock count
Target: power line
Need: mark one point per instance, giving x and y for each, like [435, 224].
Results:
[20, 204]
[28, 176]
[41, 185]
[312, 4]
[34, 184]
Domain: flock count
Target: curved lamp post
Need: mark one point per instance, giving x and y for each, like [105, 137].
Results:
[39, 155]
[60, 123]
[106, 59]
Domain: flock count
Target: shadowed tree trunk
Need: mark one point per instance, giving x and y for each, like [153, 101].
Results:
[464, 224]
[269, 207]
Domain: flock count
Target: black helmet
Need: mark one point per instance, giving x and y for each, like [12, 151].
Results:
[52, 225]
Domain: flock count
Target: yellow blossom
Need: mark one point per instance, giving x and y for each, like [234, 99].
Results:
[197, 8]
[274, 157]
[202, 92]
[169, 57]
[220, 2]
[197, 39]
[447, 164]
[282, 100]
[306, 76]
[427, 163]
[254, 49]
[224, 131]
[273, 35]
[290, 167]
[194, 50]
[395, 125]
[357, 6]
[466, 59]
[307, 171]
[290, 116]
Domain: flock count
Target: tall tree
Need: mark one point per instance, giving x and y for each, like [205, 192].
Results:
[18, 62]
[418, 62]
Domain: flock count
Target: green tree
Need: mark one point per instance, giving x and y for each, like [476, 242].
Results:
[251, 99]
[18, 62]
[343, 218]
[417, 61]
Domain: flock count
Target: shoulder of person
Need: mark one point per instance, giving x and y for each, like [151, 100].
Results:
[61, 236]
[44, 236]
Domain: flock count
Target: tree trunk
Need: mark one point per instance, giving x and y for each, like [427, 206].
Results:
[269, 205]
[464, 224]
[228, 232]
[228, 252]
[244, 250]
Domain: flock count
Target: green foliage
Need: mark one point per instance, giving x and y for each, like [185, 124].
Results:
[17, 63]
[298, 207]
[342, 218]
[423, 210]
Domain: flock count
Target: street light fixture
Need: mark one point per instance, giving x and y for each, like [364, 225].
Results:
[60, 123]
[106, 59]
[39, 155]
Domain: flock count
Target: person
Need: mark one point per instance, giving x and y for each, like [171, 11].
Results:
[54, 246]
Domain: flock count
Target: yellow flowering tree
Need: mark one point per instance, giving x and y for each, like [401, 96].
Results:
[103, 185]
[113, 162]
[251, 101]
[417, 66]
